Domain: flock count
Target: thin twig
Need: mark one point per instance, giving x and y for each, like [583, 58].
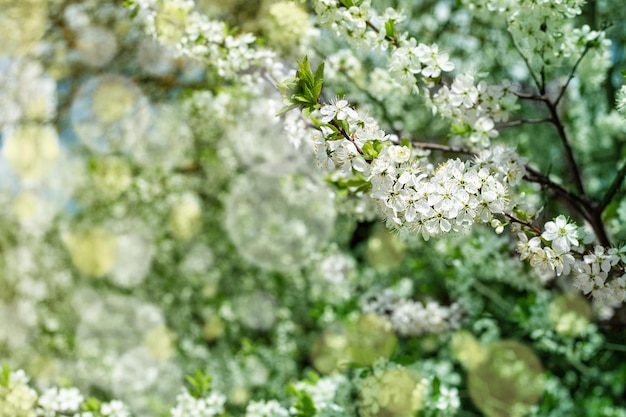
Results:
[393, 41]
[492, 295]
[345, 135]
[528, 96]
[571, 75]
[519, 122]
[530, 69]
[615, 185]
[524, 223]
[442, 148]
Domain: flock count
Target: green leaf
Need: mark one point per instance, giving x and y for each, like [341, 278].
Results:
[457, 129]
[305, 74]
[355, 183]
[286, 109]
[304, 90]
[134, 12]
[200, 384]
[304, 405]
[306, 111]
[372, 149]
[436, 387]
[390, 28]
[5, 376]
[343, 124]
[319, 81]
[91, 404]
[347, 3]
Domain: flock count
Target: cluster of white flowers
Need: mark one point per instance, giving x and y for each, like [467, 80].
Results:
[271, 408]
[59, 400]
[542, 29]
[178, 24]
[17, 399]
[410, 60]
[474, 108]
[407, 190]
[326, 393]
[454, 196]
[27, 92]
[114, 408]
[591, 272]
[353, 22]
[188, 406]
[412, 318]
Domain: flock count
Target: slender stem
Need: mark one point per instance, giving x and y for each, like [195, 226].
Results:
[614, 346]
[615, 185]
[492, 295]
[391, 40]
[345, 135]
[542, 89]
[571, 75]
[527, 96]
[442, 148]
[524, 223]
[526, 62]
[519, 122]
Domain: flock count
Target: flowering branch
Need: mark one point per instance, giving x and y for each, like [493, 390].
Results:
[343, 133]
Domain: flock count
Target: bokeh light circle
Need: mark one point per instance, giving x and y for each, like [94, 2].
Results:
[23, 23]
[508, 382]
[96, 46]
[31, 150]
[277, 217]
[109, 114]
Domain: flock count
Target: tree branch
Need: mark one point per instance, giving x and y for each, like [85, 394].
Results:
[520, 122]
[526, 62]
[522, 222]
[571, 75]
[569, 153]
[442, 148]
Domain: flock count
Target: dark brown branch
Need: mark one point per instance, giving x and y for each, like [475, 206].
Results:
[532, 175]
[569, 153]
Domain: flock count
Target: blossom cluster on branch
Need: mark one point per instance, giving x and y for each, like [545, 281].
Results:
[312, 208]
